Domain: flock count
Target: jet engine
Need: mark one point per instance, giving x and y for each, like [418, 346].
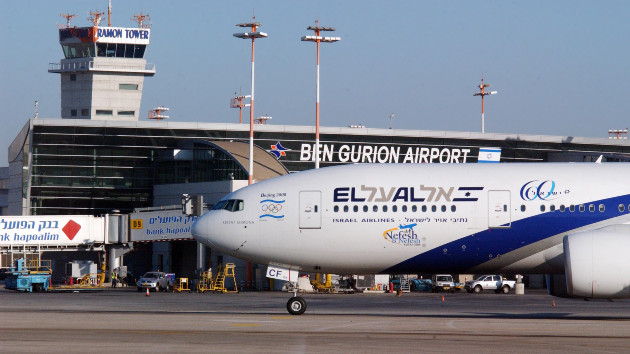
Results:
[597, 263]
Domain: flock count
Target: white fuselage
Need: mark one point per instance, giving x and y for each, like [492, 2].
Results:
[403, 218]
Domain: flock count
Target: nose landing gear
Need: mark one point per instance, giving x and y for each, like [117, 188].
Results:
[296, 305]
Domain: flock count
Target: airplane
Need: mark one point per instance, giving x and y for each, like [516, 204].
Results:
[516, 218]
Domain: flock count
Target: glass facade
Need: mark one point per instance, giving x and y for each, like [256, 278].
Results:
[85, 170]
[112, 50]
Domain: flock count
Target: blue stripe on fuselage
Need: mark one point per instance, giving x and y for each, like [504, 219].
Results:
[452, 257]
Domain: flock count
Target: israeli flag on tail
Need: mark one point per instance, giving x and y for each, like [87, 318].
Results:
[489, 155]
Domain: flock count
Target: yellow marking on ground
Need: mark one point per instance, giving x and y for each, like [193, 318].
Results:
[281, 317]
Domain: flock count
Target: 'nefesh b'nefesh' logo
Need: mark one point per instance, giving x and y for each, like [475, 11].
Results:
[403, 234]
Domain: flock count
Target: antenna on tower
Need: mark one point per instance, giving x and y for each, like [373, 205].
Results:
[156, 113]
[96, 17]
[391, 118]
[36, 113]
[141, 19]
[68, 17]
[262, 119]
[109, 14]
[237, 102]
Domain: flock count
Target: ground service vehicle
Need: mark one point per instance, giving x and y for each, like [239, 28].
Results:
[443, 282]
[457, 218]
[490, 282]
[420, 284]
[415, 284]
[156, 281]
[35, 278]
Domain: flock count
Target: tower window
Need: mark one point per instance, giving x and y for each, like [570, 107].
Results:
[126, 113]
[73, 112]
[104, 112]
[132, 87]
[73, 77]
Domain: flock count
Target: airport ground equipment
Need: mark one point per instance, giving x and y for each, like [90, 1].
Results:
[34, 278]
[222, 274]
[205, 282]
[181, 285]
[89, 279]
[443, 282]
[322, 287]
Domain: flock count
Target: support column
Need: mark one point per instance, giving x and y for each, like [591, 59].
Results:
[201, 257]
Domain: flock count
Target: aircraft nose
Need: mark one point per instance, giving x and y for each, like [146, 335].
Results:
[201, 229]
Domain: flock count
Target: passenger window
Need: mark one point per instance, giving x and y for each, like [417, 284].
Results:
[394, 208]
[582, 208]
[345, 208]
[433, 208]
[355, 208]
[552, 208]
[602, 208]
[572, 208]
[443, 208]
[562, 208]
[336, 209]
[365, 208]
[404, 208]
[621, 208]
[316, 209]
[414, 208]
[424, 208]
[375, 208]
[542, 208]
[522, 207]
[453, 208]
[591, 208]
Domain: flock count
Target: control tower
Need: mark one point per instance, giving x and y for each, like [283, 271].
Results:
[103, 70]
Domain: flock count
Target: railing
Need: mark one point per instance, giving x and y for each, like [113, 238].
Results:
[92, 66]
[39, 266]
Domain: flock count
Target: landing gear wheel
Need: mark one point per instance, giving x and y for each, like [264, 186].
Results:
[296, 305]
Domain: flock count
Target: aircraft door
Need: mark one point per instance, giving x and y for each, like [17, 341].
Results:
[499, 210]
[310, 210]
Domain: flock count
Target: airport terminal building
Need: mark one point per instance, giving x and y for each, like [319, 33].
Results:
[95, 167]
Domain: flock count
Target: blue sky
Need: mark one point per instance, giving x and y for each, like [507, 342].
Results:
[561, 67]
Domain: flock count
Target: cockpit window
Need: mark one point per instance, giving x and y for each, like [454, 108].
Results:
[230, 205]
[220, 205]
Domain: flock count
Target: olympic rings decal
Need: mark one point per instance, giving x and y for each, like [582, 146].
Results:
[271, 208]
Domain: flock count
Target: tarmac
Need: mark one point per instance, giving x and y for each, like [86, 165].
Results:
[124, 320]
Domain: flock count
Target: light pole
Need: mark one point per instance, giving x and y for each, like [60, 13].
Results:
[253, 35]
[317, 39]
[483, 93]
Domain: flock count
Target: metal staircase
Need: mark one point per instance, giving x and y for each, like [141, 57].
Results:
[404, 284]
